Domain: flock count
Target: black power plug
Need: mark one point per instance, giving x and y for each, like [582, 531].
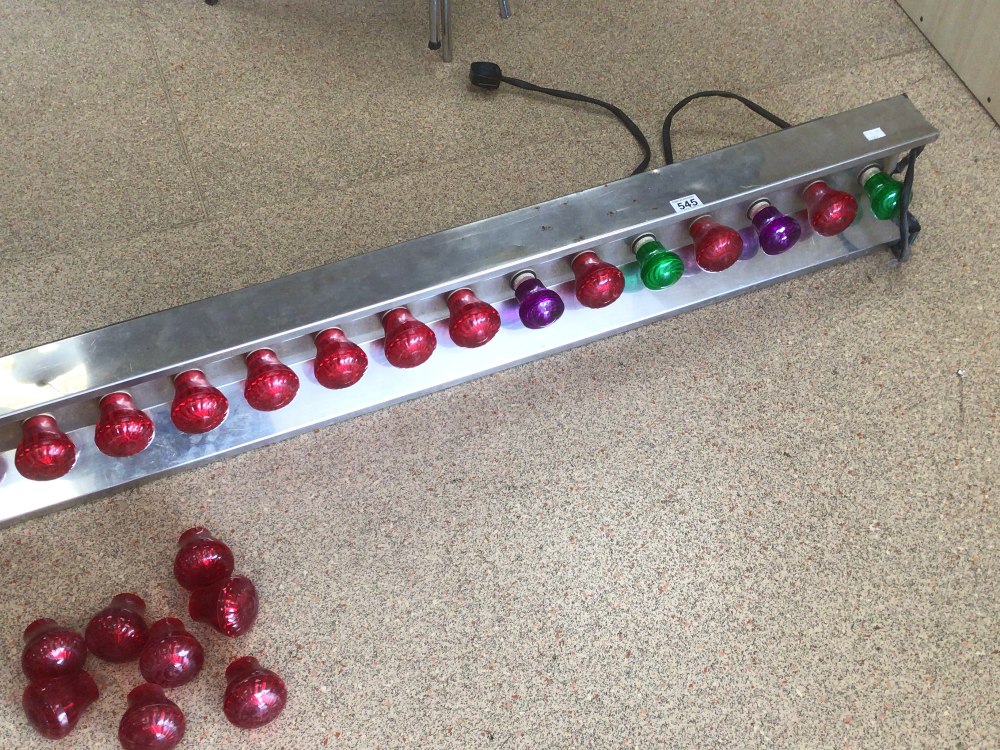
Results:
[487, 75]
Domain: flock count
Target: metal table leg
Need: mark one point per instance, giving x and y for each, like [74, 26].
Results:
[440, 20]
[445, 26]
[435, 40]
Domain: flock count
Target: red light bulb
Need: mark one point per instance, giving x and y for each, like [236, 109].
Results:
[340, 362]
[598, 283]
[54, 706]
[118, 633]
[51, 650]
[172, 656]
[198, 405]
[201, 559]
[271, 384]
[122, 429]
[44, 452]
[408, 342]
[716, 247]
[254, 696]
[151, 722]
[830, 211]
[473, 322]
[229, 605]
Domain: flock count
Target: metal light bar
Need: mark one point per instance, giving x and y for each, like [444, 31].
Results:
[67, 378]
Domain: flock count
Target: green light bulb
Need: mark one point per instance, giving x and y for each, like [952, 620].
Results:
[658, 267]
[883, 192]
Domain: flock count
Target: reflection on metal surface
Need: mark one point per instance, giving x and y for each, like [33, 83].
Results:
[67, 378]
[543, 237]
[17, 394]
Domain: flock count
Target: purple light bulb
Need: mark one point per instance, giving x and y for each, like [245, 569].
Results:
[540, 306]
[776, 231]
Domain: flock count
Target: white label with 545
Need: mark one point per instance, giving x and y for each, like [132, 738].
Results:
[686, 203]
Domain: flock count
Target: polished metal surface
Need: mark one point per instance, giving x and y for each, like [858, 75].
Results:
[440, 35]
[66, 378]
[435, 14]
[347, 292]
[445, 26]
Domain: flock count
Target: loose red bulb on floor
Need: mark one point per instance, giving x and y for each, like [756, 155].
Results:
[122, 429]
[254, 696]
[151, 722]
[44, 452]
[271, 384]
[340, 362]
[598, 283]
[172, 656]
[408, 342]
[716, 247]
[54, 706]
[118, 633]
[198, 405]
[473, 322]
[830, 211]
[51, 650]
[201, 559]
[229, 605]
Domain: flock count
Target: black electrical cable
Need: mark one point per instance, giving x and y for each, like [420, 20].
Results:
[668, 153]
[908, 224]
[488, 75]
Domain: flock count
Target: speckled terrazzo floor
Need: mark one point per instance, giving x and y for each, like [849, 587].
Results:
[770, 523]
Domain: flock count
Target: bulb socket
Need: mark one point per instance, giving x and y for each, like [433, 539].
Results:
[35, 416]
[867, 173]
[756, 207]
[256, 353]
[641, 240]
[114, 396]
[522, 276]
[387, 313]
[325, 333]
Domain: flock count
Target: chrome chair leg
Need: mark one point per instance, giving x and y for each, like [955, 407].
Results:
[440, 18]
[435, 39]
[446, 30]
[504, 9]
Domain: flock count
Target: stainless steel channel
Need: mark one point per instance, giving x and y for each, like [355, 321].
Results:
[67, 377]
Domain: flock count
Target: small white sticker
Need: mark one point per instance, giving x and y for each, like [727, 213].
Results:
[874, 134]
[686, 203]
